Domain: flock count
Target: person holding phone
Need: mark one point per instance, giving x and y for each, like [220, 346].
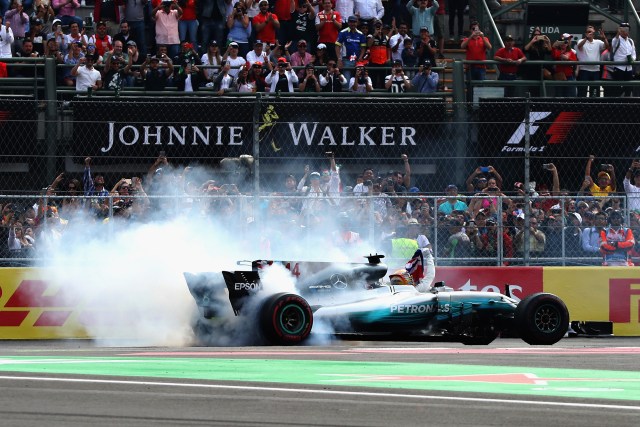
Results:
[478, 179]
[589, 49]
[282, 78]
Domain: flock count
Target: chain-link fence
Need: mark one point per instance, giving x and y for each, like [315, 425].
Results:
[261, 147]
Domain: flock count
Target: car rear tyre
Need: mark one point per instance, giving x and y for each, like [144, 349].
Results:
[286, 319]
[541, 319]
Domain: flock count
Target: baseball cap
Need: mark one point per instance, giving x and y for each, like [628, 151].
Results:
[56, 22]
[37, 21]
[413, 221]
[322, 46]
[310, 66]
[576, 215]
[213, 43]
[424, 29]
[233, 44]
[263, 1]
[508, 38]
[397, 62]
[352, 19]
[282, 60]
[258, 63]
[155, 58]
[258, 42]
[451, 187]
[302, 41]
[314, 175]
[624, 25]
[132, 43]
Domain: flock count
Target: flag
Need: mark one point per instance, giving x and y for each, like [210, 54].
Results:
[415, 267]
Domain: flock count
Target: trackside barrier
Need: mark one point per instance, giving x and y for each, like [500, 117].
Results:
[31, 307]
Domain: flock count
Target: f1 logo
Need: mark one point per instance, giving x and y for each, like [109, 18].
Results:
[534, 116]
[621, 294]
[557, 132]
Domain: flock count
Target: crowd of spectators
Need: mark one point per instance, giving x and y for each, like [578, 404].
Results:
[486, 224]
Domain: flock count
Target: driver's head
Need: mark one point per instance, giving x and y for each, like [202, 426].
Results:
[401, 278]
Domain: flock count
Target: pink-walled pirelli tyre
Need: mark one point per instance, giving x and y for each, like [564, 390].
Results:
[541, 319]
[286, 319]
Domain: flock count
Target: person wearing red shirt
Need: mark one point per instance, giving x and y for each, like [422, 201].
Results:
[562, 52]
[282, 8]
[476, 46]
[328, 24]
[266, 23]
[510, 58]
[188, 24]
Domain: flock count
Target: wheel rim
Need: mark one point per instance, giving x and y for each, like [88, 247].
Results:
[292, 319]
[547, 319]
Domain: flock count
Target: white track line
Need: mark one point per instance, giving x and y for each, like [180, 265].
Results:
[326, 392]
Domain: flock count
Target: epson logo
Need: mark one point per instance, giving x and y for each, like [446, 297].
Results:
[247, 286]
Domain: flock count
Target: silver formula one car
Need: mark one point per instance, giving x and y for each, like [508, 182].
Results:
[356, 300]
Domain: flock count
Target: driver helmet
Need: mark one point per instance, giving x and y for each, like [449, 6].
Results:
[401, 278]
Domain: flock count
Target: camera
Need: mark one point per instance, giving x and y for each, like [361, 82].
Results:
[484, 169]
[547, 166]
[605, 166]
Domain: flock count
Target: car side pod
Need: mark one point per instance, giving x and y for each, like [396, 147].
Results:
[541, 319]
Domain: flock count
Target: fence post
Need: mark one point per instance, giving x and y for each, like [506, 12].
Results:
[257, 108]
[527, 171]
[461, 123]
[50, 117]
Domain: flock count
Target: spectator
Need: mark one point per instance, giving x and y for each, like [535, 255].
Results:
[257, 75]
[225, 82]
[606, 181]
[458, 244]
[623, 50]
[52, 51]
[91, 50]
[154, 74]
[304, 20]
[67, 11]
[232, 57]
[423, 16]
[489, 239]
[477, 181]
[344, 238]
[631, 185]
[426, 48]
[302, 58]
[283, 9]
[118, 50]
[266, 23]
[6, 39]
[589, 50]
[134, 15]
[102, 40]
[212, 58]
[573, 235]
[438, 26]
[211, 15]
[188, 78]
[37, 36]
[409, 56]
[328, 24]
[537, 238]
[115, 75]
[350, 47]
[188, 24]
[452, 201]
[378, 46]
[108, 12]
[94, 188]
[562, 52]
[18, 20]
[397, 81]
[332, 80]
[361, 82]
[239, 27]
[42, 10]
[86, 77]
[124, 35]
[283, 78]
[57, 34]
[538, 49]
[257, 54]
[322, 57]
[476, 46]
[72, 58]
[368, 10]
[166, 16]
[591, 235]
[510, 58]
[456, 8]
[616, 241]
[310, 82]
[75, 35]
[277, 51]
[243, 84]
[396, 42]
[425, 81]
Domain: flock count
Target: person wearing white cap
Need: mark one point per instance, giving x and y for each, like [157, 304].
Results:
[623, 50]
[266, 23]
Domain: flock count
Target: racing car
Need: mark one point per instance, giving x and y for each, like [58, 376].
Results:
[357, 300]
